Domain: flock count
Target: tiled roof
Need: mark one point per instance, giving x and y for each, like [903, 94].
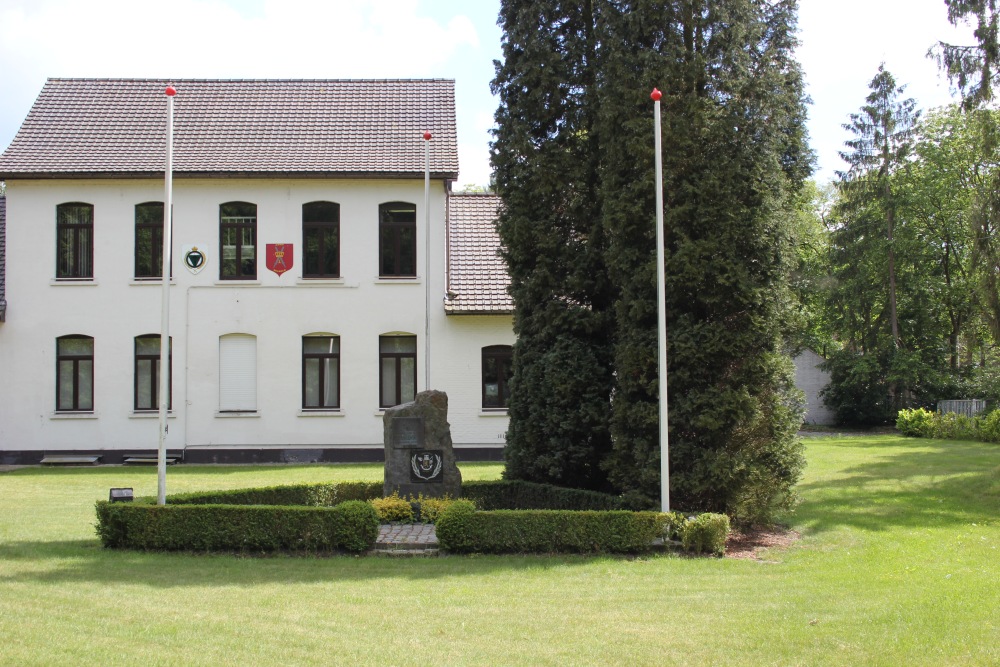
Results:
[117, 127]
[477, 276]
[3, 256]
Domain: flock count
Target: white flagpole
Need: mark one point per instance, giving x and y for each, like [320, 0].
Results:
[661, 309]
[164, 395]
[427, 261]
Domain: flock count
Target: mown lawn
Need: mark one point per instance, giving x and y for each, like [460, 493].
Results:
[898, 565]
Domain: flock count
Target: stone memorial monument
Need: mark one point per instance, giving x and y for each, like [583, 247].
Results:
[419, 457]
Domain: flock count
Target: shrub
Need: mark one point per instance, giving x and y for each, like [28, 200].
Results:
[988, 427]
[241, 528]
[357, 527]
[461, 528]
[430, 508]
[312, 495]
[393, 509]
[673, 522]
[918, 423]
[953, 426]
[706, 533]
[455, 526]
[520, 495]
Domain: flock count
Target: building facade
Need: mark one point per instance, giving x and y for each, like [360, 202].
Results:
[307, 291]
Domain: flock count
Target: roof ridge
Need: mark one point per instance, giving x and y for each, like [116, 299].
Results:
[247, 80]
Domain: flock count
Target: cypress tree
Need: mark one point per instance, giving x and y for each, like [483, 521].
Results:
[545, 156]
[574, 166]
[734, 157]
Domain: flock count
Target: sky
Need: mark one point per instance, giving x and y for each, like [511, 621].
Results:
[842, 44]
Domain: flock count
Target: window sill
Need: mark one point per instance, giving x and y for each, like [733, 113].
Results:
[73, 282]
[321, 413]
[147, 282]
[248, 414]
[237, 283]
[149, 414]
[493, 412]
[401, 280]
[323, 282]
[90, 414]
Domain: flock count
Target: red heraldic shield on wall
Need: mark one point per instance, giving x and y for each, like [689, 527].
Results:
[279, 257]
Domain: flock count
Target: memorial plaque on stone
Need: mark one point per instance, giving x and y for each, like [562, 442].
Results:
[419, 457]
[408, 432]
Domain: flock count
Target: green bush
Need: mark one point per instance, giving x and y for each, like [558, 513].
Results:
[918, 423]
[311, 495]
[455, 527]
[705, 533]
[512, 494]
[461, 528]
[673, 522]
[241, 528]
[393, 509]
[430, 508]
[988, 427]
[357, 527]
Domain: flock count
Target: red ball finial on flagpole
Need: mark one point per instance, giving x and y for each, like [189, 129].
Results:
[656, 95]
[427, 136]
[171, 91]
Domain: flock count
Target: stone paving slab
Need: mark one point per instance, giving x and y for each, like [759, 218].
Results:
[420, 535]
[413, 539]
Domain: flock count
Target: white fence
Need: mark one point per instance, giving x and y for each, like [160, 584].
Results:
[969, 408]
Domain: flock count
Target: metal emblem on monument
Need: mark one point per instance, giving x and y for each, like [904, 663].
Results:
[426, 467]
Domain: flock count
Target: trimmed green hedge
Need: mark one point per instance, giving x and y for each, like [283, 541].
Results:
[463, 529]
[507, 494]
[310, 495]
[351, 525]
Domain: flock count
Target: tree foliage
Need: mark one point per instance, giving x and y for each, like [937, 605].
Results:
[546, 159]
[574, 165]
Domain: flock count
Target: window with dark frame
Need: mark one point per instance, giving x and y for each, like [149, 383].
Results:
[498, 367]
[397, 240]
[147, 373]
[75, 240]
[74, 374]
[149, 240]
[320, 372]
[238, 241]
[397, 370]
[321, 239]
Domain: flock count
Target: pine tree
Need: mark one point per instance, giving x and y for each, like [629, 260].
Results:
[546, 157]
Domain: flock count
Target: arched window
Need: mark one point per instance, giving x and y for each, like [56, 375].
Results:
[320, 372]
[321, 239]
[397, 357]
[75, 240]
[74, 373]
[147, 373]
[397, 240]
[238, 241]
[149, 240]
[497, 371]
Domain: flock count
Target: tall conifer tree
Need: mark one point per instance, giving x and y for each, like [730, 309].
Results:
[574, 165]
[546, 157]
[734, 157]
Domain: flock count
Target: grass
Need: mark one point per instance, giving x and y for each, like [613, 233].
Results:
[899, 563]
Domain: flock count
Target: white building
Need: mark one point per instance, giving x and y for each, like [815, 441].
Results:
[298, 296]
